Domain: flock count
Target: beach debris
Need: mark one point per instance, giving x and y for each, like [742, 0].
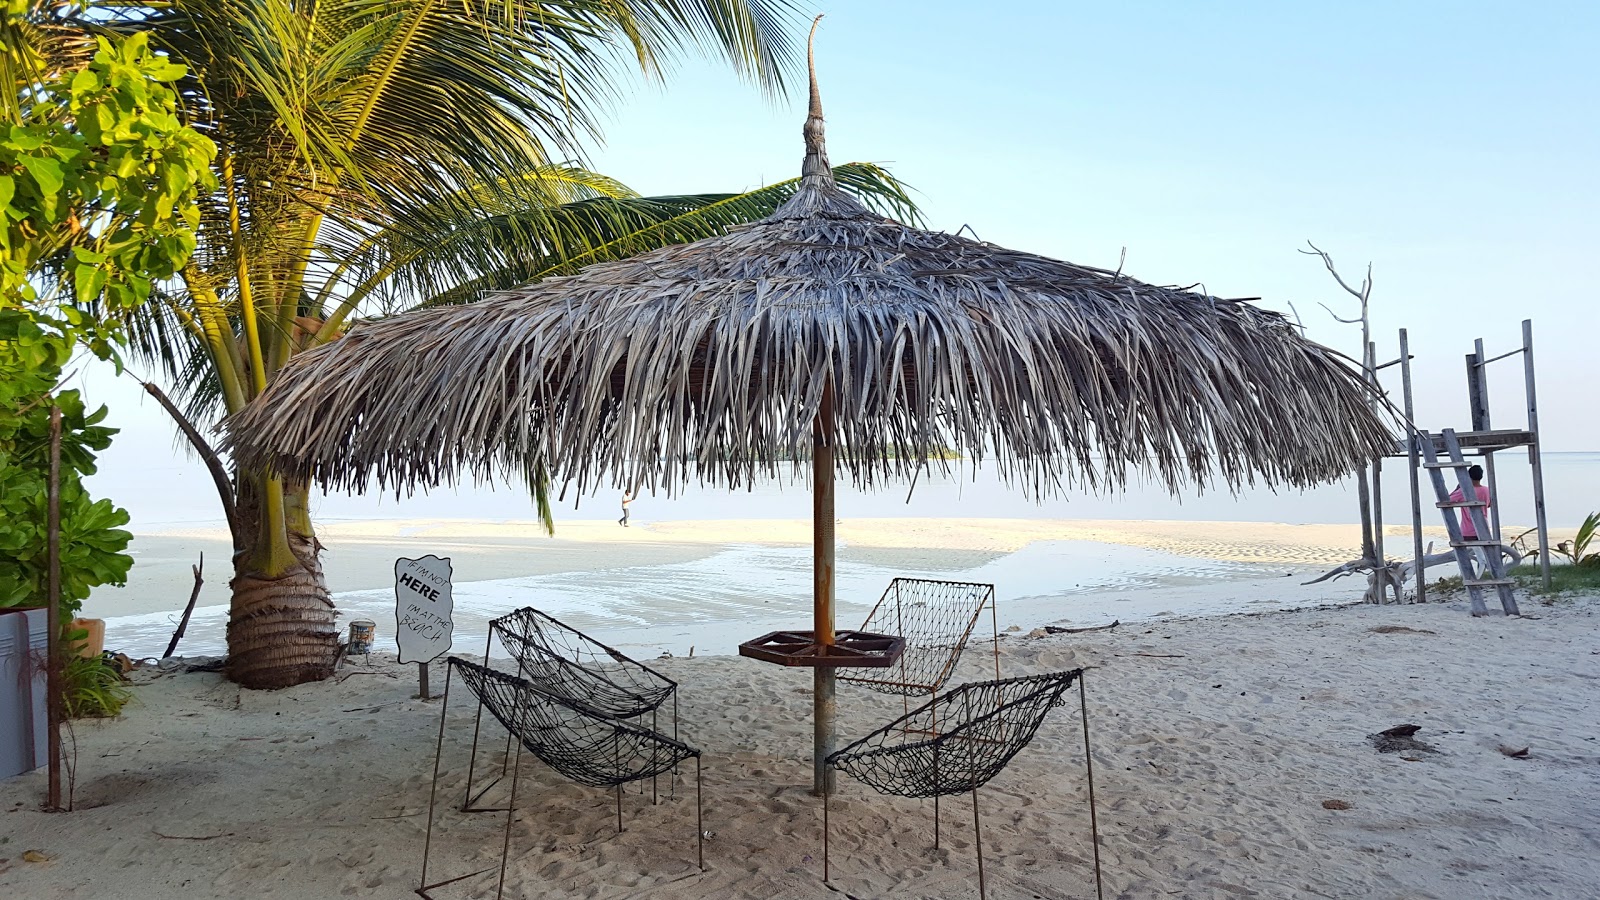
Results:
[36, 856]
[186, 837]
[1056, 629]
[1014, 628]
[1513, 752]
[1399, 739]
[1335, 804]
[1399, 629]
[1038, 633]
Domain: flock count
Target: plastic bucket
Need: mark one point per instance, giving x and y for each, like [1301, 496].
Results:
[362, 632]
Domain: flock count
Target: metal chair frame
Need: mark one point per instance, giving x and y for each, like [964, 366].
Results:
[930, 655]
[914, 729]
[589, 686]
[548, 744]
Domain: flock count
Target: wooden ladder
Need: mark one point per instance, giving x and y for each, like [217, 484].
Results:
[1487, 550]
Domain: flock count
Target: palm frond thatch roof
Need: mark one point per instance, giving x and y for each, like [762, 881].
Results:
[708, 362]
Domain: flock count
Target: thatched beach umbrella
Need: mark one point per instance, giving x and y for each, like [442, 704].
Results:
[824, 332]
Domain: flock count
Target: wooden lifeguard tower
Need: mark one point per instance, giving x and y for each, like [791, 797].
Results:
[1424, 451]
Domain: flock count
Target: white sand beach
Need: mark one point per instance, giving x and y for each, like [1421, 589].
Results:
[1217, 742]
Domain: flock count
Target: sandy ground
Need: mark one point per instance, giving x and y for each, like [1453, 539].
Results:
[1217, 746]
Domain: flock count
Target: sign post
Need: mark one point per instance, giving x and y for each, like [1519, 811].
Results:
[423, 612]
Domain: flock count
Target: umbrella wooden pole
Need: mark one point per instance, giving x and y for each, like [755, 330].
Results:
[822, 587]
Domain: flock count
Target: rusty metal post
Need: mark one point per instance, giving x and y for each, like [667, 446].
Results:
[822, 588]
[53, 650]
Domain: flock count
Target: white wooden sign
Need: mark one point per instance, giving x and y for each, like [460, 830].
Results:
[423, 608]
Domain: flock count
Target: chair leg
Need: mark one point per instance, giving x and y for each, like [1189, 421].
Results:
[977, 840]
[1088, 765]
[826, 794]
[477, 722]
[699, 820]
[653, 794]
[619, 809]
[433, 792]
[511, 813]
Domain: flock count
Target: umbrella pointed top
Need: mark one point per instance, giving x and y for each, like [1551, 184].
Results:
[815, 170]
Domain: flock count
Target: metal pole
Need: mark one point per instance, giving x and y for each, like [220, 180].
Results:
[822, 589]
[1535, 454]
[477, 722]
[1088, 765]
[511, 812]
[699, 820]
[53, 655]
[1412, 451]
[433, 792]
[977, 840]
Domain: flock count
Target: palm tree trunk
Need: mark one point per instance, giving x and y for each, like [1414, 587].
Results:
[281, 629]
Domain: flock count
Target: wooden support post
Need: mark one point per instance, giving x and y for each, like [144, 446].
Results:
[422, 682]
[1475, 396]
[1416, 492]
[1481, 405]
[53, 649]
[1534, 453]
[1380, 571]
[822, 512]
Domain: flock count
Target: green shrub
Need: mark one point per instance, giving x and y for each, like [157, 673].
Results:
[93, 687]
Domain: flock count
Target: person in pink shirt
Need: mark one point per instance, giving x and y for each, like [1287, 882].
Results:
[1468, 530]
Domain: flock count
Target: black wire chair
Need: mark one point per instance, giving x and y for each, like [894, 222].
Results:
[936, 618]
[565, 662]
[956, 743]
[585, 746]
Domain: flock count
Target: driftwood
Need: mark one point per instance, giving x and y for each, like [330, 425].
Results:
[1056, 629]
[1399, 573]
[183, 623]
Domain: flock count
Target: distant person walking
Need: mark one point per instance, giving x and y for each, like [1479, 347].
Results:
[626, 499]
[1469, 531]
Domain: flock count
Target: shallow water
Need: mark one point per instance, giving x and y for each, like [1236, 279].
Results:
[710, 605]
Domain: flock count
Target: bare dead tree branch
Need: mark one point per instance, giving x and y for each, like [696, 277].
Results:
[219, 474]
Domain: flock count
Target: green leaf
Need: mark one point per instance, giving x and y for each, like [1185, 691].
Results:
[46, 173]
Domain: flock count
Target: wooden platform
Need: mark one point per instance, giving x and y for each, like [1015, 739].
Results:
[1481, 441]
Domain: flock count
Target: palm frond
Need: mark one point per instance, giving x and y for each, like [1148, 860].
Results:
[509, 247]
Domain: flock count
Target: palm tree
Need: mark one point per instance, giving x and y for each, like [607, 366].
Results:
[379, 154]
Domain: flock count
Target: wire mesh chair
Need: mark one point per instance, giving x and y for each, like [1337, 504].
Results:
[587, 747]
[956, 743]
[936, 618]
[565, 662]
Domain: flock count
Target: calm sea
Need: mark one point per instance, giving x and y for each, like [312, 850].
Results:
[177, 492]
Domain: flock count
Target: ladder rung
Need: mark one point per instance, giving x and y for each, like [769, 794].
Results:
[1445, 504]
[1466, 542]
[1448, 465]
[1487, 582]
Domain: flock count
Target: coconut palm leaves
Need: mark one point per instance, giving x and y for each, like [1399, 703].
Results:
[376, 154]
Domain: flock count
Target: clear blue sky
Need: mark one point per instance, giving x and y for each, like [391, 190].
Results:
[1452, 145]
